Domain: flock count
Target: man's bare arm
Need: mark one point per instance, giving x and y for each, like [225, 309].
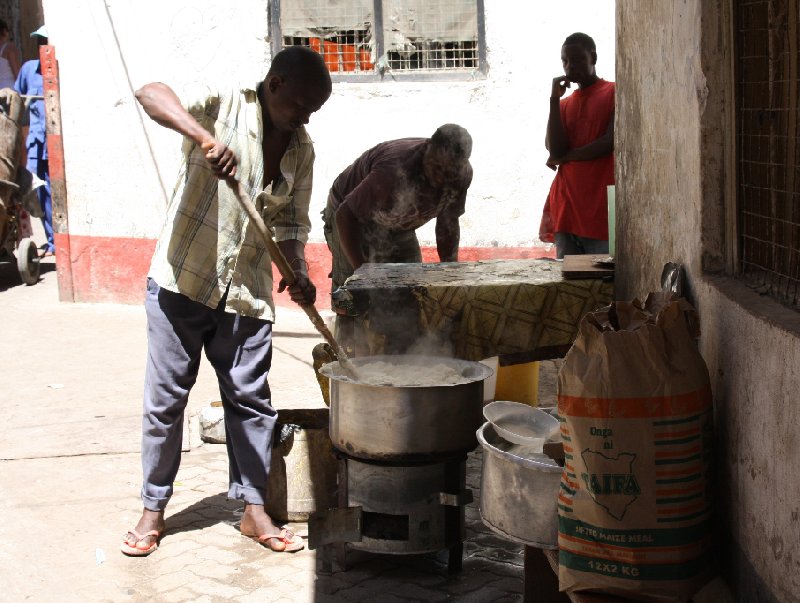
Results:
[164, 107]
[556, 140]
[349, 236]
[599, 147]
[302, 291]
[448, 235]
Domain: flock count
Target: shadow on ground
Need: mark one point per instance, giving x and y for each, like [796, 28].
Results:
[206, 512]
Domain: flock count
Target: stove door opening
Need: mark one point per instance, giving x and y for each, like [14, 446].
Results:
[383, 526]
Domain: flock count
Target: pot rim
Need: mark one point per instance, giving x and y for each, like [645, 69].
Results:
[478, 372]
[508, 456]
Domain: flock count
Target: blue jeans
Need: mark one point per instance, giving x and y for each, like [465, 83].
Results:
[40, 167]
[570, 244]
[240, 350]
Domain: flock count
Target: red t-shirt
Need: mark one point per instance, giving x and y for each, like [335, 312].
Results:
[578, 199]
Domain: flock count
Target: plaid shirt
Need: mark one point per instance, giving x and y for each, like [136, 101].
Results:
[207, 242]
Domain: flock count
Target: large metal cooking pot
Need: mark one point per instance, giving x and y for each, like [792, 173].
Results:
[392, 423]
[518, 495]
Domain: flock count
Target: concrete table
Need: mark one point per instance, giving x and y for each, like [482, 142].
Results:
[520, 310]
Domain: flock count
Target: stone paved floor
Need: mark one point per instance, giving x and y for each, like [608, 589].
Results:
[56, 554]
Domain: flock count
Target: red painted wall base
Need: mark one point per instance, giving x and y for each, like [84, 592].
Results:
[113, 270]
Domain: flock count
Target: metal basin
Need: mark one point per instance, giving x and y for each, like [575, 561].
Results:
[406, 423]
[518, 495]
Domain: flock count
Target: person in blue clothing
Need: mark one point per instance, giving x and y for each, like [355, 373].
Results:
[29, 83]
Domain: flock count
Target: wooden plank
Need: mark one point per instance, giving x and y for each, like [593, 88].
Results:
[58, 180]
[541, 583]
[484, 273]
[583, 266]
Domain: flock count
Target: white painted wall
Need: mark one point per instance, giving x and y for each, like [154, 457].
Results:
[120, 166]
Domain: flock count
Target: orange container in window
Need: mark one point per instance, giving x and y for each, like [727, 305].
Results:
[348, 57]
[330, 52]
[365, 60]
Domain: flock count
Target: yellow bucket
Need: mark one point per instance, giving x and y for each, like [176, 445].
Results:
[518, 383]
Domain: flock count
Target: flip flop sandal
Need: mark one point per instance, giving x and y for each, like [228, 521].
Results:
[284, 542]
[136, 550]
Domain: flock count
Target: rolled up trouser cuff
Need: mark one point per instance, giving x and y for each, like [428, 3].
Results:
[252, 496]
[154, 504]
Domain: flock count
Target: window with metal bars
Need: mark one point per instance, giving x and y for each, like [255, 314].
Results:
[373, 39]
[768, 146]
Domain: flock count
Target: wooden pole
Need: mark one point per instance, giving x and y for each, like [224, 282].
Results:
[58, 181]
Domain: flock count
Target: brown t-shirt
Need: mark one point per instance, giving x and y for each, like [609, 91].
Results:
[386, 185]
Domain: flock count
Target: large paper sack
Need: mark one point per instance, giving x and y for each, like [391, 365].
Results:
[635, 500]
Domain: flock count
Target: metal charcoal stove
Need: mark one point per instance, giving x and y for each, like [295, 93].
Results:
[394, 509]
[401, 465]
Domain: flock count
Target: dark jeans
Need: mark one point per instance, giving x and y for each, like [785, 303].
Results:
[240, 350]
[41, 168]
[570, 244]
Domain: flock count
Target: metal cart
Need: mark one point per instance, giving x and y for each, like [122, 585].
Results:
[16, 242]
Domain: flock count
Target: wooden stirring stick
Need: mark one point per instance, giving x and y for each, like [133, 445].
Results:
[288, 275]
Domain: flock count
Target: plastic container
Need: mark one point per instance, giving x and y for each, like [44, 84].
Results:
[490, 385]
[212, 423]
[303, 471]
[518, 383]
[348, 57]
[521, 424]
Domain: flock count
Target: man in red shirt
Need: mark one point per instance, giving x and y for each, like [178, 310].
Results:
[580, 139]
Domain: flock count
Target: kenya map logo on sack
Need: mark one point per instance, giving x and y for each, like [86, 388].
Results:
[611, 481]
